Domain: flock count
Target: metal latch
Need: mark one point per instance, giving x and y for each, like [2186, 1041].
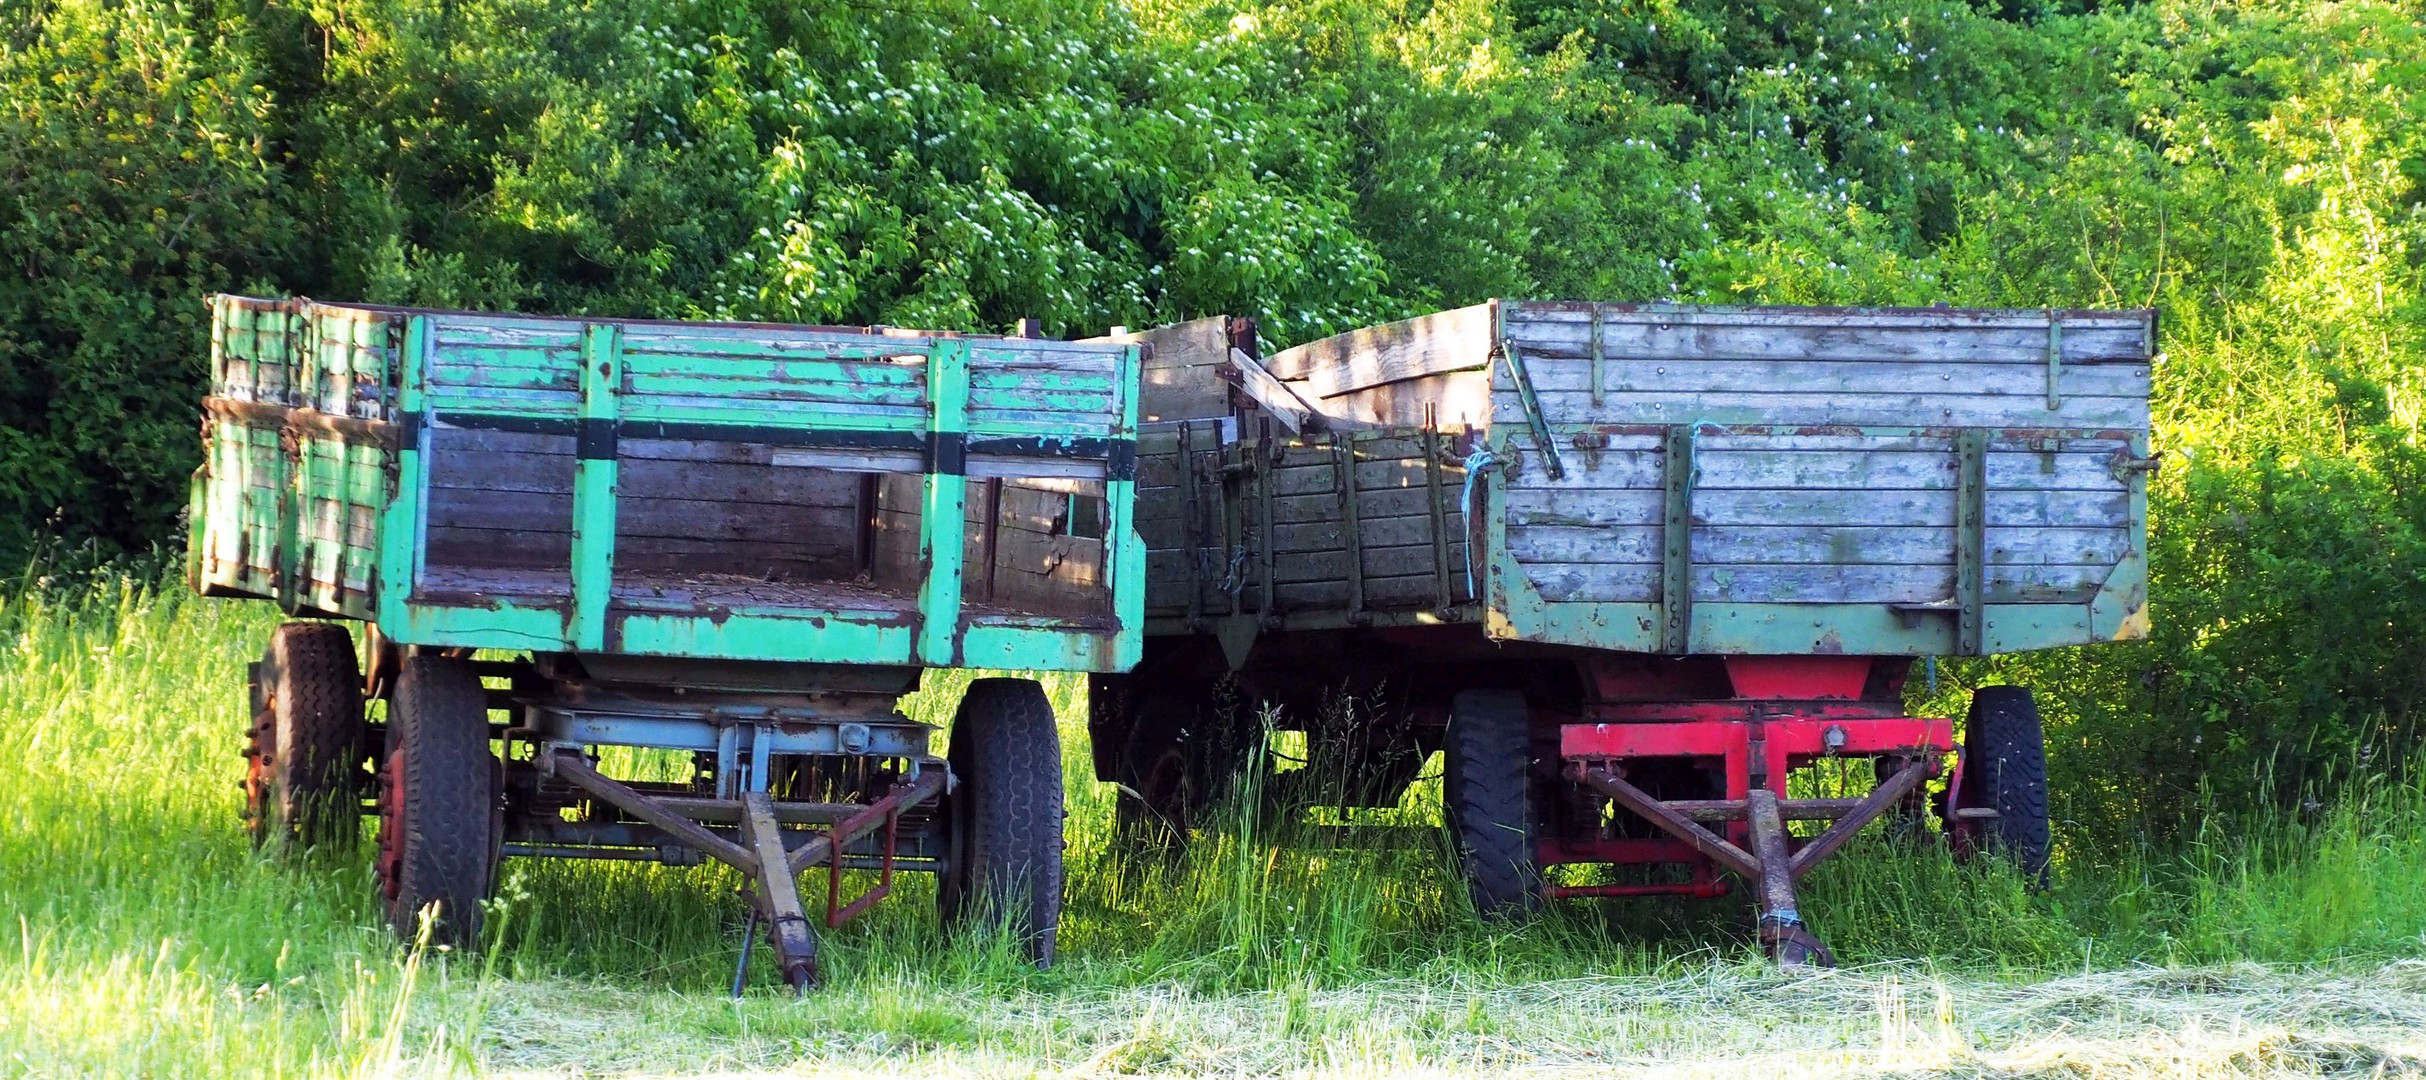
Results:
[2124, 464]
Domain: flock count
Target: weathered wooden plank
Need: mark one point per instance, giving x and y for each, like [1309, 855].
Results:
[1850, 545]
[1181, 379]
[1382, 593]
[1378, 533]
[1276, 398]
[1432, 344]
[732, 520]
[451, 329]
[1394, 502]
[827, 558]
[469, 508]
[800, 409]
[1459, 400]
[726, 482]
[878, 371]
[1810, 583]
[469, 547]
[487, 470]
[691, 387]
[499, 399]
[446, 441]
[1817, 410]
[1385, 475]
[1847, 469]
[1290, 567]
[1589, 544]
[1928, 509]
[1807, 334]
[1628, 375]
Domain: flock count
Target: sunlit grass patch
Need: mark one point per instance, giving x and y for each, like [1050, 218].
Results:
[151, 939]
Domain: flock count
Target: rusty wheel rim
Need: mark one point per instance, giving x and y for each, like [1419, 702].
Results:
[391, 825]
[260, 757]
[1169, 793]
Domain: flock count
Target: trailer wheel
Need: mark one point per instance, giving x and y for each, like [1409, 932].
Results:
[1003, 818]
[437, 797]
[1163, 774]
[2005, 770]
[1488, 760]
[300, 783]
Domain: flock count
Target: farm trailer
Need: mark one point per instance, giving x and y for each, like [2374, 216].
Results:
[1634, 568]
[729, 547]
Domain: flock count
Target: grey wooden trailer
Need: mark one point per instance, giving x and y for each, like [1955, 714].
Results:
[1685, 551]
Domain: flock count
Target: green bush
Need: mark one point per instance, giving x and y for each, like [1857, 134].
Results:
[2252, 169]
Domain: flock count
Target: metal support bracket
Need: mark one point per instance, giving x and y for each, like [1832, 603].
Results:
[1442, 592]
[2055, 359]
[1343, 465]
[1676, 548]
[1515, 361]
[1970, 540]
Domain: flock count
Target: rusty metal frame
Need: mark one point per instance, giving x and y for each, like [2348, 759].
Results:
[772, 866]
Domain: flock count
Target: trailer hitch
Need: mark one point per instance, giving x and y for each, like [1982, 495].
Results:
[772, 868]
[1775, 861]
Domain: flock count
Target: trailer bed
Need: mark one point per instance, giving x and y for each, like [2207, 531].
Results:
[712, 490]
[1659, 478]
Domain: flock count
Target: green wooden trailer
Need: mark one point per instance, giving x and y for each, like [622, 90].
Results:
[1648, 575]
[732, 546]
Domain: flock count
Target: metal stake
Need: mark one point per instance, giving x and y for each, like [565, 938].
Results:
[749, 937]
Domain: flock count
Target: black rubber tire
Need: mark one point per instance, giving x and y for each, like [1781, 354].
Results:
[304, 787]
[442, 784]
[1003, 819]
[1487, 787]
[2005, 769]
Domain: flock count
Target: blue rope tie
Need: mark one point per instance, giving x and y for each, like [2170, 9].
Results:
[1482, 458]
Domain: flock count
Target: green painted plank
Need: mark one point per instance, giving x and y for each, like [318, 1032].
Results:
[1047, 649]
[644, 367]
[594, 493]
[500, 625]
[400, 527]
[942, 519]
[804, 637]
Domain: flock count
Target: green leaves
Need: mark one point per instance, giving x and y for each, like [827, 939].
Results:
[2252, 169]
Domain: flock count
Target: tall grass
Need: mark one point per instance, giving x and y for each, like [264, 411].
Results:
[152, 940]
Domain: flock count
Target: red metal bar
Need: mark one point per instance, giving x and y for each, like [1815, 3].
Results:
[1698, 890]
[1881, 797]
[1628, 850]
[886, 811]
[1633, 798]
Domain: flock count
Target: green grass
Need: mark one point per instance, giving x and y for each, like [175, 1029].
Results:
[153, 941]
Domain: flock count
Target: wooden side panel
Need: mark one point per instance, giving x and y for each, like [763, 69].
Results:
[1435, 344]
[1210, 550]
[1824, 519]
[1034, 388]
[893, 553]
[1044, 551]
[496, 365]
[1182, 377]
[501, 499]
[291, 513]
[1806, 368]
[720, 507]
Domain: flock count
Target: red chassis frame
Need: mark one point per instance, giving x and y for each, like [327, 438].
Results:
[1786, 713]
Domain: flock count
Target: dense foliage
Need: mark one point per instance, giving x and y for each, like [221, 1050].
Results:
[2256, 170]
